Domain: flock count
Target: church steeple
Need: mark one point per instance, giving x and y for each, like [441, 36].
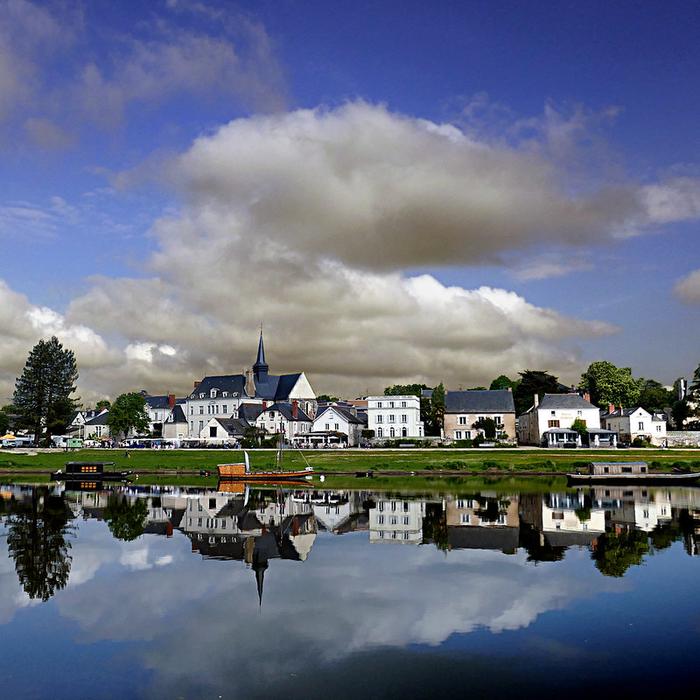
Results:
[260, 368]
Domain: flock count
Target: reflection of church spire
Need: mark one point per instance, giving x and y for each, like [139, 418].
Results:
[259, 568]
[260, 368]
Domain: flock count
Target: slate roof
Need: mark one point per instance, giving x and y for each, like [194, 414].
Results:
[249, 411]
[503, 538]
[286, 410]
[272, 388]
[345, 413]
[627, 412]
[234, 426]
[177, 416]
[564, 401]
[100, 419]
[484, 401]
[157, 401]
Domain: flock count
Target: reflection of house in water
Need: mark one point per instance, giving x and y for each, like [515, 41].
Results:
[481, 522]
[222, 527]
[339, 512]
[641, 508]
[395, 519]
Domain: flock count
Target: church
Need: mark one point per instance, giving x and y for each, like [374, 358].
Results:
[222, 396]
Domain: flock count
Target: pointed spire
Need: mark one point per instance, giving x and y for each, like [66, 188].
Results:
[259, 569]
[260, 368]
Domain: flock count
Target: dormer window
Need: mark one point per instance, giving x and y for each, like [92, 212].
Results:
[212, 394]
[201, 396]
[235, 394]
[225, 394]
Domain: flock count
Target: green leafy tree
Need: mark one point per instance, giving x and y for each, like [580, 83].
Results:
[102, 404]
[488, 425]
[694, 388]
[4, 422]
[327, 398]
[126, 520]
[616, 552]
[608, 384]
[405, 390]
[579, 425]
[503, 382]
[653, 397]
[42, 395]
[128, 413]
[533, 382]
[36, 541]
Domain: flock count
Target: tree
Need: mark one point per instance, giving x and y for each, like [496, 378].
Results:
[653, 397]
[36, 540]
[488, 425]
[533, 382]
[405, 390]
[503, 382]
[680, 412]
[128, 413]
[616, 552]
[326, 398]
[126, 520]
[436, 412]
[608, 384]
[102, 404]
[43, 392]
[579, 425]
[4, 422]
[694, 388]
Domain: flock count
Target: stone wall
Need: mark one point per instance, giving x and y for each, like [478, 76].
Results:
[683, 438]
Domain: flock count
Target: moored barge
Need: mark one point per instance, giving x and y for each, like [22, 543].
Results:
[629, 473]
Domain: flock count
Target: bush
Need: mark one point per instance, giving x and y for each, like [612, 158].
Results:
[641, 442]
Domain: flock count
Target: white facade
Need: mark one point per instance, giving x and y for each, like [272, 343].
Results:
[333, 420]
[637, 424]
[557, 411]
[275, 421]
[395, 520]
[394, 416]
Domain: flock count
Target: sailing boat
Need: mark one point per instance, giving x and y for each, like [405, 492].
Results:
[240, 471]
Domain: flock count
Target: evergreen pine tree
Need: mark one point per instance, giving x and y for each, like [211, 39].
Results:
[43, 393]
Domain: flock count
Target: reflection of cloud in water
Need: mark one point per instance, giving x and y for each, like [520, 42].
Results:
[203, 619]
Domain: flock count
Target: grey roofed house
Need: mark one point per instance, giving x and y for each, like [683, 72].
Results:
[629, 411]
[564, 401]
[346, 413]
[100, 419]
[177, 415]
[480, 401]
[286, 410]
[249, 411]
[235, 427]
[157, 401]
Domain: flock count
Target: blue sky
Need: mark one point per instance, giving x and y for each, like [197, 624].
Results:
[101, 104]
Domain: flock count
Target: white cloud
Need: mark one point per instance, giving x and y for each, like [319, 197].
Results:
[688, 287]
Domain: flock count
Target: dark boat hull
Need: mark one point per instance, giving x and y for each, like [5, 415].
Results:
[104, 476]
[641, 479]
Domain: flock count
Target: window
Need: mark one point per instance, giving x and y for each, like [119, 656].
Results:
[391, 404]
[392, 432]
[553, 424]
[212, 503]
[380, 519]
[403, 404]
[557, 516]
[458, 434]
[552, 413]
[404, 418]
[328, 426]
[393, 520]
[658, 428]
[579, 413]
[201, 396]
[224, 394]
[191, 410]
[337, 426]
[462, 420]
[380, 432]
[379, 404]
[380, 419]
[224, 408]
[201, 425]
[381, 506]
[465, 519]
[405, 506]
[405, 520]
[212, 431]
[392, 418]
[212, 394]
[404, 432]
[498, 420]
[640, 425]
[201, 410]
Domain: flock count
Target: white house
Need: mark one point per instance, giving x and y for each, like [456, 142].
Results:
[342, 422]
[631, 423]
[159, 408]
[285, 418]
[548, 422]
[394, 416]
[221, 396]
[97, 426]
[396, 520]
[175, 426]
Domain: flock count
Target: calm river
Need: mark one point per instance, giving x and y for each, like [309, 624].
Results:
[193, 593]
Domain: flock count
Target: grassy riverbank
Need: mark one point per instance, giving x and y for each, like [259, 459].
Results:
[435, 461]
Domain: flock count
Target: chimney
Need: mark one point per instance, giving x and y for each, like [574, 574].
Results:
[611, 408]
[196, 383]
[620, 409]
[587, 396]
[537, 400]
[264, 405]
[295, 409]
[171, 401]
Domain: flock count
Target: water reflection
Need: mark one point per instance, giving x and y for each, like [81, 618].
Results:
[347, 591]
[618, 526]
